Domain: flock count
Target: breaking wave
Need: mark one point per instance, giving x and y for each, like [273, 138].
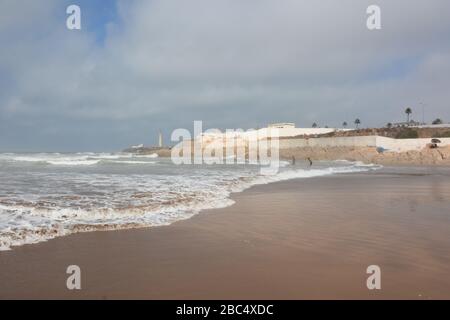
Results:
[78, 159]
[38, 205]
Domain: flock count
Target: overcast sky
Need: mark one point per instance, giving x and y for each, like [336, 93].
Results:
[142, 65]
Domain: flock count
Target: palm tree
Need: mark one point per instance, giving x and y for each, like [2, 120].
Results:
[357, 122]
[389, 125]
[314, 125]
[408, 112]
[345, 124]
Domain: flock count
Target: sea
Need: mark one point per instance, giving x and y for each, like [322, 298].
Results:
[49, 195]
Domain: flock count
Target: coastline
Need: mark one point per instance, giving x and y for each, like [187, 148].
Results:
[368, 155]
[424, 157]
[296, 239]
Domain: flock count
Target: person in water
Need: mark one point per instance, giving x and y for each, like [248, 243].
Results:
[293, 160]
[310, 161]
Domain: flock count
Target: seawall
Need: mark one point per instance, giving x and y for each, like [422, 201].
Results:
[369, 149]
[389, 144]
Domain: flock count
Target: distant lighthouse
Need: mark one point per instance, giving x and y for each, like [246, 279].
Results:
[160, 139]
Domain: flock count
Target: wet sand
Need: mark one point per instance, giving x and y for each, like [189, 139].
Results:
[300, 239]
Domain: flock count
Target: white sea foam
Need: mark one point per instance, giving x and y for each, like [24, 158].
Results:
[78, 159]
[39, 205]
[151, 156]
[131, 162]
[73, 162]
[358, 163]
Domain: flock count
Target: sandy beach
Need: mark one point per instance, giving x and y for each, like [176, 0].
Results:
[299, 239]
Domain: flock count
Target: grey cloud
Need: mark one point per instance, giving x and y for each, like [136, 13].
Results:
[230, 63]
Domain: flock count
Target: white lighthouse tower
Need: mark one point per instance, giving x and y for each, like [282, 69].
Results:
[160, 139]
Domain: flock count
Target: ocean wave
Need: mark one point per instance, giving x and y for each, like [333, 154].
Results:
[131, 162]
[151, 156]
[77, 159]
[110, 202]
[73, 162]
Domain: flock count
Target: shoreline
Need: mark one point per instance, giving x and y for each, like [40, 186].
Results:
[368, 155]
[54, 233]
[424, 157]
[295, 239]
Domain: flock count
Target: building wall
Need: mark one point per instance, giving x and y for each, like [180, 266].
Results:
[397, 145]
[401, 145]
[267, 132]
[433, 126]
[292, 132]
[369, 141]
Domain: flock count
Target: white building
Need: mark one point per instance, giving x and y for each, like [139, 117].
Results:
[287, 130]
[281, 130]
[282, 125]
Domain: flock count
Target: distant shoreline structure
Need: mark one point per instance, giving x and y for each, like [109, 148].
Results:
[395, 145]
